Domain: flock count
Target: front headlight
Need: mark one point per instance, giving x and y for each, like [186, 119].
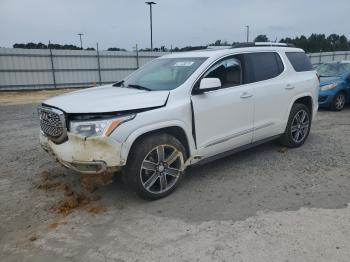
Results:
[328, 87]
[98, 127]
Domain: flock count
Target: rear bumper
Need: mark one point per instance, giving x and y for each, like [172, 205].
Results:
[314, 113]
[88, 155]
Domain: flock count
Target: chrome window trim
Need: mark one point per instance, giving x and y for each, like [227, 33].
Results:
[235, 54]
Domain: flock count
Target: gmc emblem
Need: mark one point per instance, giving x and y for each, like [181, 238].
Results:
[44, 116]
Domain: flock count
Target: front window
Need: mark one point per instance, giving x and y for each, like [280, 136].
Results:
[333, 69]
[229, 72]
[164, 73]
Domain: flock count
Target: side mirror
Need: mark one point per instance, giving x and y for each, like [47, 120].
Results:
[209, 84]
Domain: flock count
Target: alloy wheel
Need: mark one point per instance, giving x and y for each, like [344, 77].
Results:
[300, 126]
[340, 102]
[161, 169]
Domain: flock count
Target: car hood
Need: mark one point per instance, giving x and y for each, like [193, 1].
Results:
[330, 80]
[107, 98]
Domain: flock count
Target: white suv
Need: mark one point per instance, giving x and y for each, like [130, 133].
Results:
[182, 109]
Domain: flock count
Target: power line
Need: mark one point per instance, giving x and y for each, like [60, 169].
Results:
[81, 41]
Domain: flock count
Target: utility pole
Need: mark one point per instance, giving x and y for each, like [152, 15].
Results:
[137, 56]
[150, 17]
[81, 41]
[247, 26]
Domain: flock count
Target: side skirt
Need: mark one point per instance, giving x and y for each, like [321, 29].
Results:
[235, 150]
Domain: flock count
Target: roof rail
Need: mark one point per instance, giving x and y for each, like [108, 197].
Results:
[260, 44]
[218, 47]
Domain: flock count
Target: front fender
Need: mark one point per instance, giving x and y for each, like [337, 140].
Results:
[154, 127]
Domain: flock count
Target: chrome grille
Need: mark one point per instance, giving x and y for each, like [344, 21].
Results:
[52, 123]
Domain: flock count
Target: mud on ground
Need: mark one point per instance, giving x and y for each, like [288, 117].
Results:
[266, 204]
[30, 97]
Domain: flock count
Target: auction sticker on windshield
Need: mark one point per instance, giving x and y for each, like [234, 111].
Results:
[184, 63]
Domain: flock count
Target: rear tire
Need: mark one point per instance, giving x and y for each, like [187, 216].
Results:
[338, 102]
[298, 126]
[154, 166]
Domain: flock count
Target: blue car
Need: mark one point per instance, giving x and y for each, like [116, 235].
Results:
[334, 85]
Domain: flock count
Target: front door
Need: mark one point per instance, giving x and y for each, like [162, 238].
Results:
[223, 118]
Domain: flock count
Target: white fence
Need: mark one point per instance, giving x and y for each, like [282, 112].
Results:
[44, 69]
[318, 58]
[22, 69]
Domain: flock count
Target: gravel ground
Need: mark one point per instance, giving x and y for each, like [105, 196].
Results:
[264, 204]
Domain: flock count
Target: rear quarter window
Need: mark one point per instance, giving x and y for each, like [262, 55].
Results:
[264, 65]
[299, 61]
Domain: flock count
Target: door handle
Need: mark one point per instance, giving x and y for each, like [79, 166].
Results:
[289, 87]
[246, 95]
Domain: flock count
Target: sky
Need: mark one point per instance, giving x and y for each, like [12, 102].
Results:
[125, 23]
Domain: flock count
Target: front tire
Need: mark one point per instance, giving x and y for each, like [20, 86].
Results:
[338, 102]
[155, 166]
[298, 126]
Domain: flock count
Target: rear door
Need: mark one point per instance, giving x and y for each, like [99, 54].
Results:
[271, 95]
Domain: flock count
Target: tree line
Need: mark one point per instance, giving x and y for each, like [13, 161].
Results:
[311, 44]
[44, 46]
[59, 47]
[315, 42]
[320, 43]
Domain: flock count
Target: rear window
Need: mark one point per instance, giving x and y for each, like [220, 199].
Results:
[264, 65]
[299, 61]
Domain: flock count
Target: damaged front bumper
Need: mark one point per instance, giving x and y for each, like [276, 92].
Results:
[87, 155]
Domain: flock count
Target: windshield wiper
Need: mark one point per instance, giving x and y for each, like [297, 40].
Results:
[120, 83]
[326, 76]
[139, 87]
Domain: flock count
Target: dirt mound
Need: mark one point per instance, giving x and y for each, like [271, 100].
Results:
[33, 238]
[282, 150]
[56, 224]
[48, 181]
[69, 203]
[74, 200]
[93, 182]
[96, 209]
[29, 97]
[84, 199]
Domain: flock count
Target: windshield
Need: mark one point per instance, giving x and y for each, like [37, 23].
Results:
[164, 73]
[333, 69]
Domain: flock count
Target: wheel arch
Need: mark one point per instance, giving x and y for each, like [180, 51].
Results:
[345, 91]
[178, 130]
[305, 99]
